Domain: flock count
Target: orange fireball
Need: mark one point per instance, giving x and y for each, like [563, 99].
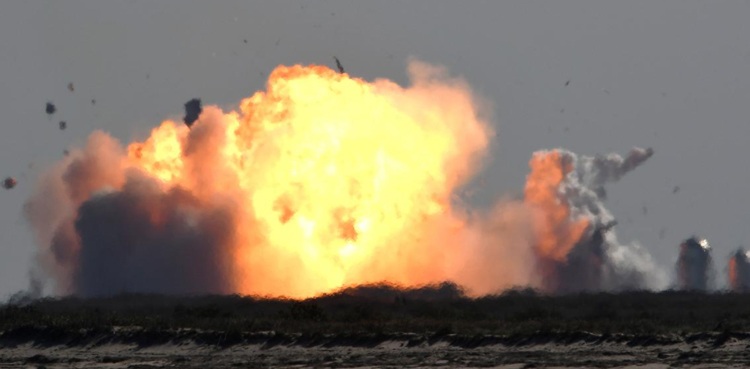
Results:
[338, 181]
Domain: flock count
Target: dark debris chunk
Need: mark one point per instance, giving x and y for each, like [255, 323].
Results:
[193, 110]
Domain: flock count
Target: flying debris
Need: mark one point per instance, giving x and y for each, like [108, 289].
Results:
[93, 101]
[66, 152]
[63, 125]
[70, 87]
[694, 265]
[567, 83]
[338, 65]
[676, 189]
[50, 108]
[9, 183]
[193, 110]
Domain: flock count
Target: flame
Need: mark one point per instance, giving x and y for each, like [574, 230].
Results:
[556, 232]
[339, 181]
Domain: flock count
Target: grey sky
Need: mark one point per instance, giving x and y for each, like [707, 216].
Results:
[673, 75]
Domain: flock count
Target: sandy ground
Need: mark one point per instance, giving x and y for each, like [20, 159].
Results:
[390, 354]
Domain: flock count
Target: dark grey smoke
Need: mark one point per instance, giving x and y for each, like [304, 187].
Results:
[141, 239]
[739, 271]
[599, 261]
[694, 268]
[193, 110]
[582, 271]
[105, 229]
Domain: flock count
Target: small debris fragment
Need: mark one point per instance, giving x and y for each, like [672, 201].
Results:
[9, 183]
[245, 40]
[66, 152]
[63, 125]
[338, 65]
[50, 108]
[70, 87]
[676, 189]
[567, 83]
[193, 110]
[93, 101]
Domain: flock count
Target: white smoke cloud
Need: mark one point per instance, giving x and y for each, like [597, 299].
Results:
[616, 265]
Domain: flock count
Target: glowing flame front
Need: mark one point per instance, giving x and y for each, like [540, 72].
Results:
[337, 179]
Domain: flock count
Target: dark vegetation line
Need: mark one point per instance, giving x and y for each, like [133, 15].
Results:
[382, 310]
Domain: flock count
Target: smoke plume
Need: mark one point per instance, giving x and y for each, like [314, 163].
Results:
[694, 268]
[577, 248]
[325, 181]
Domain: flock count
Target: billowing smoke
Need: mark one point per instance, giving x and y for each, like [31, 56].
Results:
[739, 271]
[325, 181]
[694, 265]
[577, 248]
[118, 231]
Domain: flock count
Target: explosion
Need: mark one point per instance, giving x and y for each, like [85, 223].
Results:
[320, 182]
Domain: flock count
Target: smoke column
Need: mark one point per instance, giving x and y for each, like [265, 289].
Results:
[694, 270]
[320, 182]
[577, 248]
[739, 271]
